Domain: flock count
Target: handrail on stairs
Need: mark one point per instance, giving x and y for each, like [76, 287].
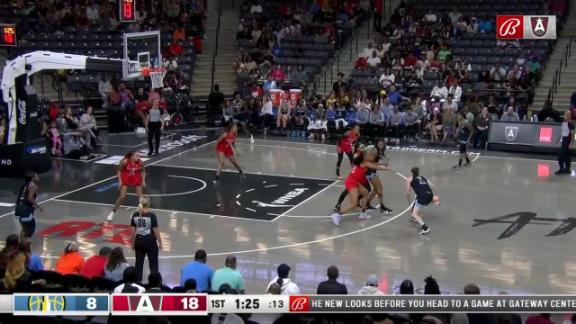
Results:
[563, 65]
[328, 70]
[215, 53]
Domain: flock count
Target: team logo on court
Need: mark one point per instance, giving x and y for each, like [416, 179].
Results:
[517, 221]
[539, 25]
[511, 133]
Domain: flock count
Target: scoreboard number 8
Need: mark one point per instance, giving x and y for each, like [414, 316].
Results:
[190, 303]
[91, 303]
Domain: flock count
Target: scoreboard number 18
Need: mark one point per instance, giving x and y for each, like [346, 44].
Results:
[189, 303]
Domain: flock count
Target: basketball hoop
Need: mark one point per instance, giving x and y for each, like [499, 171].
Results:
[157, 77]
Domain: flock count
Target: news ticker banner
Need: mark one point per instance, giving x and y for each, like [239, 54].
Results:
[201, 304]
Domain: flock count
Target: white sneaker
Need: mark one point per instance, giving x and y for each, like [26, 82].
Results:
[251, 139]
[364, 216]
[336, 218]
[110, 217]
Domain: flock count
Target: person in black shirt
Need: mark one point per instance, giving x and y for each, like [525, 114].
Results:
[424, 196]
[464, 135]
[146, 240]
[26, 204]
[331, 286]
[215, 102]
[339, 84]
[567, 133]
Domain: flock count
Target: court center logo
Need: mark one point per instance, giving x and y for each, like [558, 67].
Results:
[539, 25]
[282, 201]
[517, 221]
[511, 133]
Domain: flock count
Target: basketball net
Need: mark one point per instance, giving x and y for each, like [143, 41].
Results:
[157, 77]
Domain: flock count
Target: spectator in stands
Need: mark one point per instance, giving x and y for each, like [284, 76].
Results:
[456, 91]
[71, 262]
[531, 116]
[93, 13]
[69, 124]
[361, 63]
[374, 61]
[498, 73]
[126, 98]
[339, 84]
[332, 286]
[129, 285]
[155, 283]
[11, 247]
[367, 52]
[573, 100]
[450, 103]
[269, 84]
[34, 262]
[387, 78]
[215, 104]
[94, 266]
[116, 264]
[439, 91]
[362, 114]
[87, 121]
[371, 287]
[448, 123]
[444, 54]
[510, 115]
[256, 8]
[16, 277]
[228, 275]
[278, 73]
[375, 120]
[287, 287]
[412, 122]
[198, 271]
[407, 287]
[397, 123]
[431, 286]
[434, 125]
[266, 113]
[395, 97]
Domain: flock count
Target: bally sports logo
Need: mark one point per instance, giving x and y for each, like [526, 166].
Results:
[525, 27]
[299, 303]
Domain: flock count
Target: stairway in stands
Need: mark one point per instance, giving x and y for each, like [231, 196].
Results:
[224, 74]
[346, 58]
[568, 77]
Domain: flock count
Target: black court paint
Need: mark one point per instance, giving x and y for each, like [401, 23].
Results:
[260, 197]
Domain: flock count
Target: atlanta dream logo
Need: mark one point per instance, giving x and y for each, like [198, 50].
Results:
[525, 27]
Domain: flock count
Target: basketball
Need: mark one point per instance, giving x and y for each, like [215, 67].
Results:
[146, 71]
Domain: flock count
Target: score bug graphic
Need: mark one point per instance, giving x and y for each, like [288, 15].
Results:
[55, 304]
[188, 304]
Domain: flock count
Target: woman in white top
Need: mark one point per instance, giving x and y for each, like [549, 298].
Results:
[286, 285]
[87, 120]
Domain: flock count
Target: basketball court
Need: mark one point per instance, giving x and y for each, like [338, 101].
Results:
[506, 223]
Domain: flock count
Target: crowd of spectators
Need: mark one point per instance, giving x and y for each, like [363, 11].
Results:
[413, 49]
[265, 27]
[23, 271]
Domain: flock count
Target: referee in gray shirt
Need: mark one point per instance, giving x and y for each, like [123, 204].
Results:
[146, 240]
[154, 126]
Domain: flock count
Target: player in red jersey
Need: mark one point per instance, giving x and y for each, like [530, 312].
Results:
[225, 150]
[131, 174]
[356, 184]
[346, 146]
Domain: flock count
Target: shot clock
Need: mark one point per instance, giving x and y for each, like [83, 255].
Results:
[8, 35]
[127, 10]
